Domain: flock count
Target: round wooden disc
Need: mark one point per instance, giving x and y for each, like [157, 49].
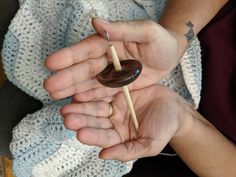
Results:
[130, 71]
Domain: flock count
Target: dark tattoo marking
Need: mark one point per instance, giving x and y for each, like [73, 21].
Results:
[190, 34]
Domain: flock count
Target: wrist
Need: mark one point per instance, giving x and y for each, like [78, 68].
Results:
[182, 32]
[190, 122]
[186, 122]
[181, 42]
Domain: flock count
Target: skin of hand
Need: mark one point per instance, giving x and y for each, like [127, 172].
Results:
[164, 117]
[160, 113]
[76, 66]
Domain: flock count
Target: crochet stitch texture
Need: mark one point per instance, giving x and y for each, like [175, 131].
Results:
[41, 146]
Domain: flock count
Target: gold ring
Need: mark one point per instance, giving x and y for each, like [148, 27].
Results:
[110, 110]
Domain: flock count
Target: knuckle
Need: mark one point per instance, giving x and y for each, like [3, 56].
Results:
[92, 67]
[81, 136]
[94, 83]
[90, 51]
[72, 72]
[151, 28]
[101, 108]
[96, 93]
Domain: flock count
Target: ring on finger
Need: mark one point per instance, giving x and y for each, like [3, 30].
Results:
[110, 110]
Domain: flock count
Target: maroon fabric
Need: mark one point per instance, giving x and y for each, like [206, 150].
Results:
[218, 40]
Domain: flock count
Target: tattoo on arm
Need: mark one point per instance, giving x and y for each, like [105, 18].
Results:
[190, 34]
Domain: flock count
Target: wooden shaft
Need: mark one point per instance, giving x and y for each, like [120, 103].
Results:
[125, 89]
[115, 58]
[130, 105]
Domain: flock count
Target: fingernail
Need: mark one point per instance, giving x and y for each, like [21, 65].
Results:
[105, 157]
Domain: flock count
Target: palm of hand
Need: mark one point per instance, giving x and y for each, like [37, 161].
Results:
[77, 66]
[155, 56]
[158, 123]
[159, 120]
[159, 55]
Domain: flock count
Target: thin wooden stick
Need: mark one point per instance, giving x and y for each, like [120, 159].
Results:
[125, 89]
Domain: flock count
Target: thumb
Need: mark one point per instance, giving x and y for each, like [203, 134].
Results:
[133, 31]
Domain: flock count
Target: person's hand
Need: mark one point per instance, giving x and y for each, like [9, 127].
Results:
[76, 66]
[160, 112]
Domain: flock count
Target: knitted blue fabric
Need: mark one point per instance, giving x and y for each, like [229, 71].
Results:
[33, 145]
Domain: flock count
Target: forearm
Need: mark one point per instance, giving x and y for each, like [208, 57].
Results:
[180, 12]
[205, 150]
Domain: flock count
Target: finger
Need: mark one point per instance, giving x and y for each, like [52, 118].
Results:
[78, 121]
[75, 74]
[107, 99]
[97, 109]
[136, 30]
[129, 151]
[76, 88]
[98, 137]
[91, 47]
[96, 94]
